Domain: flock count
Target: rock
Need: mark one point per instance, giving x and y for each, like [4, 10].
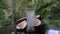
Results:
[52, 29]
[52, 32]
[13, 33]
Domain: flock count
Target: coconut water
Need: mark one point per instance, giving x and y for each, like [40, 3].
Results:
[30, 19]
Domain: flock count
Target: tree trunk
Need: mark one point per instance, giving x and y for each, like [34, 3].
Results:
[11, 8]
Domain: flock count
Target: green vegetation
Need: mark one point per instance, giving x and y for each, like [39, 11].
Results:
[48, 9]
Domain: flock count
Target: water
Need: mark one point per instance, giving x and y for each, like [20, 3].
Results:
[30, 19]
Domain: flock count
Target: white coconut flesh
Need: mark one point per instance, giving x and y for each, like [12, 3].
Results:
[37, 22]
[23, 24]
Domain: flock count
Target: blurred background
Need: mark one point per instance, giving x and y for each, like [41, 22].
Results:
[12, 10]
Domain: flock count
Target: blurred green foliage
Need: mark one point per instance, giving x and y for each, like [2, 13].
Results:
[48, 9]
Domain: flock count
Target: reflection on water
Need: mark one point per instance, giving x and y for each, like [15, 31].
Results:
[27, 33]
[5, 30]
